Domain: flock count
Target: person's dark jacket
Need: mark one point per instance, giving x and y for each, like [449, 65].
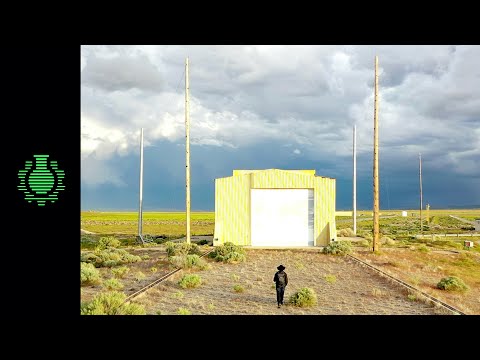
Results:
[275, 278]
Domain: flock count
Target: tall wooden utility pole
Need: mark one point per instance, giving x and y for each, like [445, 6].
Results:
[421, 193]
[376, 197]
[355, 179]
[187, 151]
[140, 209]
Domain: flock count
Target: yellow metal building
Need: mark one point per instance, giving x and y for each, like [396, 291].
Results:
[275, 208]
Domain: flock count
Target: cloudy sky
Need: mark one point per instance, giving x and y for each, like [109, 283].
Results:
[286, 107]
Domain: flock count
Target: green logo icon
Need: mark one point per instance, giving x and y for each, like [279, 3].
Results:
[42, 182]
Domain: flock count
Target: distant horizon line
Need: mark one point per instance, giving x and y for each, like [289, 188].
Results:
[455, 207]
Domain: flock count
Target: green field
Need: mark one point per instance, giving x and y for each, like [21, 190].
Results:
[438, 222]
[171, 224]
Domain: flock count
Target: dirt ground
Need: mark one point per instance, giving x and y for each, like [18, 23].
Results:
[158, 259]
[354, 291]
[424, 271]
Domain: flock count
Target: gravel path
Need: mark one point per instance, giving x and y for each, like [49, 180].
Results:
[355, 290]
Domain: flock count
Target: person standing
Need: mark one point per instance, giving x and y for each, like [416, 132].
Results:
[281, 281]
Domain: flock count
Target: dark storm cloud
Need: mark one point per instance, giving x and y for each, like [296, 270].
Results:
[289, 106]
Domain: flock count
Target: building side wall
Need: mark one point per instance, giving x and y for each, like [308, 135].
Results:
[232, 210]
[325, 227]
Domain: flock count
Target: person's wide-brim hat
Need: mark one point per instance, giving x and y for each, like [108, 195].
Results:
[281, 267]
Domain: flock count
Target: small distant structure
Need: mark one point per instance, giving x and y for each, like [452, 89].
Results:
[477, 224]
[468, 244]
[404, 213]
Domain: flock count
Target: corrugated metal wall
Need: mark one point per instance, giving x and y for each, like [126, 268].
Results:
[325, 228]
[232, 210]
[232, 202]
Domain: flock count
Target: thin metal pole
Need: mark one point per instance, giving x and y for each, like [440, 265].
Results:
[140, 210]
[187, 150]
[421, 193]
[376, 197]
[355, 179]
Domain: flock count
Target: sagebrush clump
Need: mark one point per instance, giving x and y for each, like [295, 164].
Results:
[111, 303]
[303, 298]
[109, 257]
[108, 242]
[112, 284]
[183, 248]
[387, 241]
[139, 276]
[423, 248]
[452, 283]
[120, 272]
[229, 253]
[345, 233]
[330, 278]
[89, 275]
[183, 311]
[338, 248]
[238, 288]
[190, 281]
[188, 261]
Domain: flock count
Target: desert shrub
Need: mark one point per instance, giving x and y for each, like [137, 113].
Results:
[179, 249]
[139, 276]
[330, 278]
[110, 257]
[345, 233]
[238, 288]
[108, 242]
[412, 297]
[190, 281]
[183, 311]
[378, 292]
[452, 283]
[235, 277]
[112, 284]
[188, 261]
[89, 275]
[88, 242]
[178, 261]
[303, 298]
[367, 235]
[338, 248]
[364, 243]
[193, 260]
[120, 272]
[90, 258]
[423, 248]
[387, 240]
[110, 263]
[145, 257]
[178, 295]
[170, 248]
[229, 253]
[111, 303]
[153, 269]
[133, 309]
[159, 312]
